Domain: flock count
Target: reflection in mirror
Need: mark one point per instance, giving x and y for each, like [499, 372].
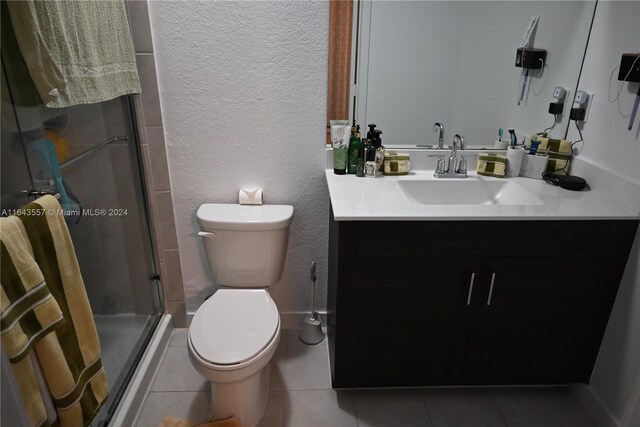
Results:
[453, 62]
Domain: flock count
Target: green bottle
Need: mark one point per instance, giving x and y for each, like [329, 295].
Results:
[356, 151]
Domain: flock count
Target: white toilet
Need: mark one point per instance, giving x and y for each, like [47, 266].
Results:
[234, 334]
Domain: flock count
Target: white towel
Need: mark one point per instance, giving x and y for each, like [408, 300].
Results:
[77, 52]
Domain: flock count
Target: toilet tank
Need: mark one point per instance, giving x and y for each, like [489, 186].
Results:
[246, 245]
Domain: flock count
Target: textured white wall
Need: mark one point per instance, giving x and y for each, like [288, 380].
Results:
[243, 93]
[609, 145]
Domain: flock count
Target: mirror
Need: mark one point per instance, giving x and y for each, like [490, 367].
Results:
[453, 62]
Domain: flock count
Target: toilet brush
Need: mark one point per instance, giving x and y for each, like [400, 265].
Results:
[312, 328]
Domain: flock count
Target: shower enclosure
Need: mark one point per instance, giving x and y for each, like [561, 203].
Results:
[88, 156]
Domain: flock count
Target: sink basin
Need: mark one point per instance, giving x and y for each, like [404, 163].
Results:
[467, 192]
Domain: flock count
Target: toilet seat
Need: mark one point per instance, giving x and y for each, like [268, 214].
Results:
[233, 326]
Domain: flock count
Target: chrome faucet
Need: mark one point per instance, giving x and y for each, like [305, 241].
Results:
[461, 166]
[453, 168]
[437, 127]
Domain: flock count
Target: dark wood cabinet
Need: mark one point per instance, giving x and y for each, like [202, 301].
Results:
[538, 320]
[403, 309]
[430, 330]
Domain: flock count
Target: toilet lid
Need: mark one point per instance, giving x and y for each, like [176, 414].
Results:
[214, 216]
[234, 325]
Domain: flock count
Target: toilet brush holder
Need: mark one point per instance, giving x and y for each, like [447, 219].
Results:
[312, 327]
[312, 330]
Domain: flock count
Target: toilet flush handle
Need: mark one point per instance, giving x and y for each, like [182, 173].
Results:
[206, 235]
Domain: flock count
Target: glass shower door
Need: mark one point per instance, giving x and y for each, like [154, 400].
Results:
[88, 157]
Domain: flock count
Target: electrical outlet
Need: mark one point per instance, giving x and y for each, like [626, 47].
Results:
[584, 100]
[559, 93]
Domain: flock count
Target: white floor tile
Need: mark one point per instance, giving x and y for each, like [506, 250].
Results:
[301, 396]
[309, 408]
[276, 408]
[382, 408]
[462, 408]
[300, 366]
[179, 337]
[176, 373]
[541, 406]
[192, 406]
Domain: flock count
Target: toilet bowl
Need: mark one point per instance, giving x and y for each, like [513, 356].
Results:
[232, 338]
[235, 332]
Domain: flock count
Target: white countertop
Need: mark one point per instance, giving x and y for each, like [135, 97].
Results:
[375, 199]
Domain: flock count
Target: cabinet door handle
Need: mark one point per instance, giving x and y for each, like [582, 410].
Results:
[493, 279]
[473, 276]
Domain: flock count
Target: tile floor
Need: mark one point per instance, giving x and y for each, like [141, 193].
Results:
[301, 396]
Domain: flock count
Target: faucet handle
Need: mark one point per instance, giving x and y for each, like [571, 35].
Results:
[440, 166]
[462, 165]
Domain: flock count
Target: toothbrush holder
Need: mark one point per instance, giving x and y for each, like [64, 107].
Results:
[501, 145]
[534, 166]
[514, 160]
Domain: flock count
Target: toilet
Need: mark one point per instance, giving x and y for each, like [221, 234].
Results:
[235, 332]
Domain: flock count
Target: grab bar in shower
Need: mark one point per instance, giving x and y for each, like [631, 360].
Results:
[93, 150]
[39, 193]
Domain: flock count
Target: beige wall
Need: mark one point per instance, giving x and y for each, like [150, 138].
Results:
[154, 154]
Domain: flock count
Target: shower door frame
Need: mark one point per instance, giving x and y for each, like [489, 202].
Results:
[147, 331]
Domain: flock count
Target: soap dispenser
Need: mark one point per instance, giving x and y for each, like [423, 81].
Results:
[371, 137]
[372, 132]
[356, 148]
[379, 151]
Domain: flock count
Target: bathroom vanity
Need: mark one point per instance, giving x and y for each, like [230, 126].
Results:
[469, 294]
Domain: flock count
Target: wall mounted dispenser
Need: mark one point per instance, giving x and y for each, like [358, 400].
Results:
[533, 59]
[629, 67]
[528, 59]
[630, 72]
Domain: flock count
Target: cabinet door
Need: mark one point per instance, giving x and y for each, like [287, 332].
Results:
[407, 322]
[539, 320]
